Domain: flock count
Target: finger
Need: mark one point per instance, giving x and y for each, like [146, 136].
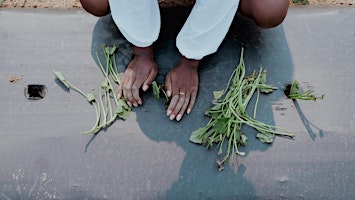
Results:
[120, 91]
[178, 107]
[172, 105]
[135, 94]
[120, 88]
[153, 73]
[168, 85]
[182, 110]
[192, 101]
[127, 91]
[175, 93]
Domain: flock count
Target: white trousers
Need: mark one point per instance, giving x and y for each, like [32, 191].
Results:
[201, 35]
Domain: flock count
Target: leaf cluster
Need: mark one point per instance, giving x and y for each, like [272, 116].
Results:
[107, 106]
[294, 92]
[228, 115]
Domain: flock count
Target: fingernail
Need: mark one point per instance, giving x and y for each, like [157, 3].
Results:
[168, 112]
[168, 93]
[119, 95]
[145, 87]
[178, 118]
[129, 103]
[172, 117]
[140, 102]
[188, 111]
[135, 105]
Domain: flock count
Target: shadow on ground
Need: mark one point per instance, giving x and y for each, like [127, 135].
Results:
[199, 177]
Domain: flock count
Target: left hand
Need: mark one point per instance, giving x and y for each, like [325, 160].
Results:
[182, 84]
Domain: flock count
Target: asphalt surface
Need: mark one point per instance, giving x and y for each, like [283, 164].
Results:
[43, 155]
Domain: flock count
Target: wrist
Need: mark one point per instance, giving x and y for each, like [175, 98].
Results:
[192, 63]
[143, 51]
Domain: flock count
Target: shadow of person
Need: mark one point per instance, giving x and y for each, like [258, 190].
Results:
[199, 177]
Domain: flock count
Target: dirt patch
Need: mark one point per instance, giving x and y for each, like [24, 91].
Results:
[66, 4]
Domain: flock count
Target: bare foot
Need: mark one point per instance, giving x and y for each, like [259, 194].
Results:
[182, 84]
[139, 74]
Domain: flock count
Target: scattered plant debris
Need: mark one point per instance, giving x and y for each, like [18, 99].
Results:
[106, 110]
[15, 78]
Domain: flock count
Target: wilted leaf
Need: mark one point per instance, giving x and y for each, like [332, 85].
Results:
[243, 140]
[61, 78]
[265, 137]
[112, 50]
[90, 97]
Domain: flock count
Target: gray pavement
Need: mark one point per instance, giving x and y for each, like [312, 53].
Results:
[43, 156]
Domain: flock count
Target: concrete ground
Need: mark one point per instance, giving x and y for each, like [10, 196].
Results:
[43, 156]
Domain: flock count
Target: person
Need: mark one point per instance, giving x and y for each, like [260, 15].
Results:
[201, 35]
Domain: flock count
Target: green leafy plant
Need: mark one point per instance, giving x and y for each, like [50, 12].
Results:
[108, 107]
[228, 115]
[293, 91]
[158, 91]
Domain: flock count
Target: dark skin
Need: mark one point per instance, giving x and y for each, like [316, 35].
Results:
[181, 83]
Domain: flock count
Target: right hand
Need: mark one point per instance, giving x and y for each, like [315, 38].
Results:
[140, 73]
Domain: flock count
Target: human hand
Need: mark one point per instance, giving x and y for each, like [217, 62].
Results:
[182, 84]
[140, 72]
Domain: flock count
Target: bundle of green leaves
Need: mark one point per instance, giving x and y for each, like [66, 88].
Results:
[108, 107]
[228, 115]
[293, 92]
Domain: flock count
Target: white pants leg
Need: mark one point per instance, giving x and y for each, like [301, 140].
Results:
[138, 20]
[206, 27]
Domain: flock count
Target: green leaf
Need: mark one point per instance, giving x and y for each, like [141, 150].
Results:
[112, 50]
[262, 76]
[266, 88]
[61, 78]
[243, 140]
[294, 88]
[156, 90]
[218, 94]
[124, 104]
[124, 115]
[267, 138]
[221, 125]
[195, 136]
[123, 110]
